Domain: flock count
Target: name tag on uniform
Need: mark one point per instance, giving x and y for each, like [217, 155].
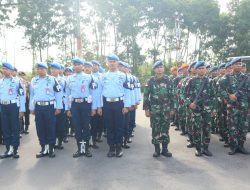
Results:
[47, 90]
[10, 91]
[83, 88]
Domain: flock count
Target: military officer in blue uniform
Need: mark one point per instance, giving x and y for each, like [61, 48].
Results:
[12, 102]
[79, 105]
[45, 103]
[97, 119]
[61, 120]
[114, 105]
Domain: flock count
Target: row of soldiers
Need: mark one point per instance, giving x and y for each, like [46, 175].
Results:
[85, 98]
[199, 99]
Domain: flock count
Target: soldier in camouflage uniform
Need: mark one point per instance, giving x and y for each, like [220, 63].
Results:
[158, 104]
[213, 79]
[199, 96]
[222, 107]
[235, 92]
[181, 106]
[173, 75]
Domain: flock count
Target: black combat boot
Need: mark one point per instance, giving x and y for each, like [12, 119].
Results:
[87, 150]
[111, 152]
[190, 144]
[198, 152]
[206, 151]
[94, 146]
[119, 152]
[165, 151]
[51, 151]
[43, 152]
[8, 153]
[15, 152]
[233, 149]
[157, 152]
[79, 152]
[241, 148]
[125, 144]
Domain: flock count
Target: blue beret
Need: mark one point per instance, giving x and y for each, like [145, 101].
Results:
[69, 69]
[214, 69]
[235, 60]
[208, 65]
[101, 69]
[87, 63]
[191, 66]
[8, 66]
[94, 62]
[222, 65]
[157, 63]
[200, 64]
[42, 66]
[228, 64]
[55, 65]
[62, 67]
[78, 61]
[179, 69]
[126, 65]
[112, 57]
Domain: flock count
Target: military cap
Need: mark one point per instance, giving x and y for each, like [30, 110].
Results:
[208, 65]
[222, 65]
[8, 65]
[88, 64]
[200, 64]
[191, 66]
[214, 69]
[69, 69]
[228, 64]
[235, 60]
[185, 66]
[55, 65]
[42, 66]
[112, 57]
[157, 63]
[78, 61]
[94, 62]
[175, 68]
[179, 69]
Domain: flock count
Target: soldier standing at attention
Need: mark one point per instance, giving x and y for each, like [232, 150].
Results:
[199, 96]
[159, 106]
[12, 101]
[115, 105]
[235, 92]
[45, 104]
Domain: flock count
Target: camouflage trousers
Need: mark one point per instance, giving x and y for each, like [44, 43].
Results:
[222, 121]
[182, 117]
[201, 128]
[160, 123]
[189, 124]
[237, 124]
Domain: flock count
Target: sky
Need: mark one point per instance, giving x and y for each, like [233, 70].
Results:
[14, 42]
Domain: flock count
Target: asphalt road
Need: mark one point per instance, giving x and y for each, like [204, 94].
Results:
[137, 169]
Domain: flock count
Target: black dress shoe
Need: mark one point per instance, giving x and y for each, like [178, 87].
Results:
[129, 140]
[15, 153]
[119, 152]
[43, 152]
[190, 145]
[111, 152]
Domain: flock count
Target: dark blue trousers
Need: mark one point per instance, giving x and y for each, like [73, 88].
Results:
[81, 114]
[96, 126]
[10, 124]
[61, 120]
[126, 126]
[45, 124]
[113, 121]
[131, 124]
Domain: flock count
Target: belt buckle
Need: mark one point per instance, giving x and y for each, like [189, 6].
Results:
[78, 100]
[42, 103]
[112, 99]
